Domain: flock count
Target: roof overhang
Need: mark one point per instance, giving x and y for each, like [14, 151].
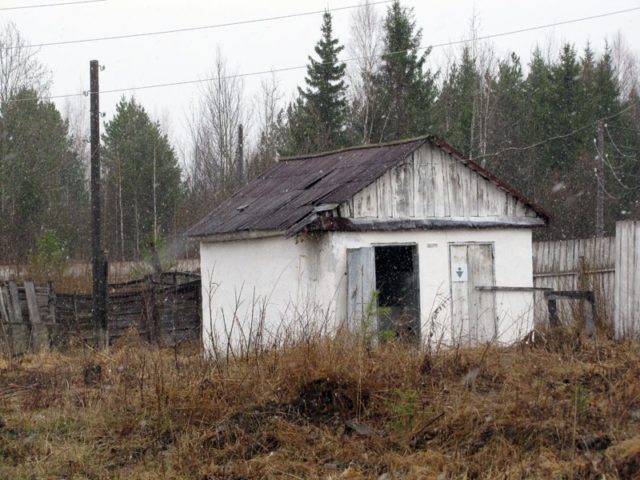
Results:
[339, 224]
[242, 235]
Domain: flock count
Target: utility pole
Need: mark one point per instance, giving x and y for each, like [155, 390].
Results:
[240, 159]
[600, 180]
[98, 257]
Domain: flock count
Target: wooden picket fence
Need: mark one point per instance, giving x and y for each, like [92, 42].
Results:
[575, 265]
[164, 309]
[609, 267]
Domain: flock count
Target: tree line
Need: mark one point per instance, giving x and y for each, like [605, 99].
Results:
[533, 124]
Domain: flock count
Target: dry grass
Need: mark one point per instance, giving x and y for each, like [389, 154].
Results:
[324, 409]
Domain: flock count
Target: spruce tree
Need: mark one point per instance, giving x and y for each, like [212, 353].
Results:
[455, 105]
[407, 89]
[540, 110]
[568, 104]
[508, 127]
[317, 119]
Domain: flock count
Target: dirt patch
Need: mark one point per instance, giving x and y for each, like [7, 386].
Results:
[319, 402]
[325, 399]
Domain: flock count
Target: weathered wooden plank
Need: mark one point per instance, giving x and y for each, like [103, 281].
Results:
[402, 190]
[39, 332]
[6, 313]
[384, 196]
[460, 320]
[424, 198]
[361, 283]
[471, 207]
[482, 303]
[15, 301]
[454, 184]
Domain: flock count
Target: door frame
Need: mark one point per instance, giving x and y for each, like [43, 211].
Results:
[353, 310]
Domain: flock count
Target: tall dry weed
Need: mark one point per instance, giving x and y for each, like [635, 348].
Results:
[327, 407]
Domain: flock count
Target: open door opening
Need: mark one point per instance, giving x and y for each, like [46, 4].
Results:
[398, 287]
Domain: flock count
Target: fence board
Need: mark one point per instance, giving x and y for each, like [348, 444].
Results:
[627, 277]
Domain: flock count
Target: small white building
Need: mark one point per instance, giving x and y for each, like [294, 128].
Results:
[409, 239]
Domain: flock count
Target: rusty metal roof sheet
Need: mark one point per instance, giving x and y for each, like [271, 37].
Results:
[284, 197]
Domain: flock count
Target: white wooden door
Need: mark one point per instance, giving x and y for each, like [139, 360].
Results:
[473, 311]
[361, 284]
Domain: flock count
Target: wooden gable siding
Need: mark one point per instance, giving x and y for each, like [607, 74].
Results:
[430, 183]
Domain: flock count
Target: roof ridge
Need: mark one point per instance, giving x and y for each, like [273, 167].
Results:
[356, 147]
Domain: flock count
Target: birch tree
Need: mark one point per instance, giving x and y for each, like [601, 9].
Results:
[269, 113]
[214, 133]
[365, 48]
[19, 66]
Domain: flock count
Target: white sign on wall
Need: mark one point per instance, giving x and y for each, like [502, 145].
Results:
[459, 272]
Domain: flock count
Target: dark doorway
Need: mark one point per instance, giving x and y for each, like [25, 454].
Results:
[398, 286]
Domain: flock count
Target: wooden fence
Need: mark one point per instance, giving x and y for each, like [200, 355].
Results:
[164, 309]
[582, 264]
[27, 317]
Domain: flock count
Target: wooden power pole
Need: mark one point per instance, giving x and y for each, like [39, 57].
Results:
[600, 180]
[98, 257]
[240, 155]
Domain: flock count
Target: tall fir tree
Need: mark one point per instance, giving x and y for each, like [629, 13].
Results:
[143, 184]
[406, 87]
[568, 103]
[538, 90]
[317, 119]
[508, 126]
[456, 102]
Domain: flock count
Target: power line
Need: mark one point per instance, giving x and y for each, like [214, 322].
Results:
[606, 127]
[301, 14]
[300, 67]
[556, 137]
[44, 5]
[190, 29]
[537, 27]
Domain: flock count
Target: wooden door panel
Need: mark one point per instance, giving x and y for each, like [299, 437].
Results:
[361, 284]
[473, 311]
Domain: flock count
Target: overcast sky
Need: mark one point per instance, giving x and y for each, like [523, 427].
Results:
[256, 47]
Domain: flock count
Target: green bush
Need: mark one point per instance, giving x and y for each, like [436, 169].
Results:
[50, 257]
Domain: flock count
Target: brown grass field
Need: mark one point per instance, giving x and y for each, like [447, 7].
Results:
[561, 408]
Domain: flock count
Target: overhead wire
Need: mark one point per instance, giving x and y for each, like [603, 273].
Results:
[605, 161]
[45, 5]
[556, 137]
[606, 127]
[191, 29]
[351, 59]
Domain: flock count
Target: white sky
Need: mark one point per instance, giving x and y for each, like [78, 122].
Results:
[263, 46]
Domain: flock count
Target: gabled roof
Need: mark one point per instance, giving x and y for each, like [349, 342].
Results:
[287, 196]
